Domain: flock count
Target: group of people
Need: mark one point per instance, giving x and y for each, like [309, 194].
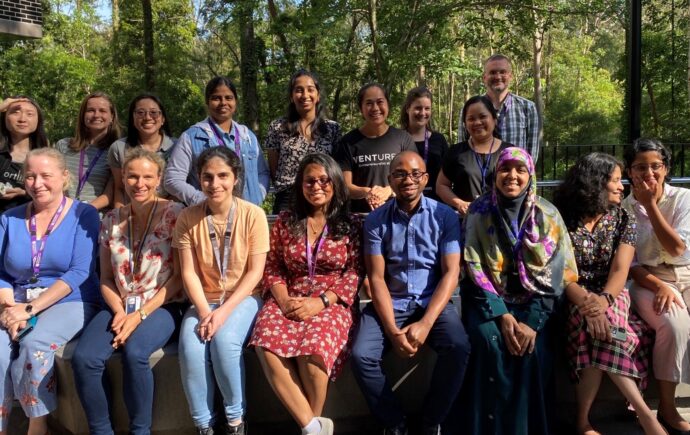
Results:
[184, 252]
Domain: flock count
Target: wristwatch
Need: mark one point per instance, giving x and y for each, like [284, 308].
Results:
[325, 300]
[143, 314]
[609, 298]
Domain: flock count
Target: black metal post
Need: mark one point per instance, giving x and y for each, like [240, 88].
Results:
[634, 69]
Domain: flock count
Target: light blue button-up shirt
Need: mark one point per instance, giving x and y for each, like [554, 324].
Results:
[412, 247]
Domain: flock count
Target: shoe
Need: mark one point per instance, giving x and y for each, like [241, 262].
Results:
[434, 429]
[401, 429]
[670, 429]
[241, 429]
[204, 431]
[326, 426]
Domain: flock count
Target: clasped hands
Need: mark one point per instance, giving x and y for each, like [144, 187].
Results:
[518, 336]
[123, 325]
[13, 317]
[407, 340]
[593, 309]
[378, 195]
[300, 308]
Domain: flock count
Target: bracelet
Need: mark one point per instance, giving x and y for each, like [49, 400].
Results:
[609, 298]
[325, 300]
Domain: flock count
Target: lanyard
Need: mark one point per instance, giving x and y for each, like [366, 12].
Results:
[221, 141]
[222, 265]
[426, 144]
[484, 165]
[504, 110]
[38, 245]
[85, 176]
[136, 258]
[311, 257]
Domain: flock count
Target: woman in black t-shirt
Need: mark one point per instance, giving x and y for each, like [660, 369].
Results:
[21, 130]
[468, 167]
[415, 118]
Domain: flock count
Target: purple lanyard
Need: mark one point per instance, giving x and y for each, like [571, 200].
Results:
[222, 265]
[38, 245]
[426, 144]
[484, 166]
[221, 141]
[85, 176]
[504, 110]
[136, 258]
[311, 258]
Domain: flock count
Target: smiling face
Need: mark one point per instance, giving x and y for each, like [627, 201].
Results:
[374, 106]
[44, 179]
[97, 117]
[141, 179]
[614, 187]
[148, 118]
[419, 113]
[317, 186]
[222, 104]
[648, 166]
[497, 75]
[217, 180]
[21, 120]
[512, 178]
[408, 177]
[479, 121]
[304, 95]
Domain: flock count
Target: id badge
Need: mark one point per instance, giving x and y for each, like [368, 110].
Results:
[132, 304]
[34, 292]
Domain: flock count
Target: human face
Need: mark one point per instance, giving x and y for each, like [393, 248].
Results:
[44, 181]
[497, 75]
[97, 116]
[141, 178]
[408, 178]
[374, 106]
[305, 96]
[479, 122]
[148, 118]
[614, 187]
[512, 178]
[648, 166]
[217, 181]
[222, 104]
[317, 186]
[21, 120]
[419, 113]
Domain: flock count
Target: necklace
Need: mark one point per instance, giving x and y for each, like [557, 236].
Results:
[313, 229]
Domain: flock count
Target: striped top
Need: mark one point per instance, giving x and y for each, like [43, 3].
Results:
[95, 184]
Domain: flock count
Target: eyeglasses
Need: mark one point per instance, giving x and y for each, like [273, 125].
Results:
[644, 167]
[401, 175]
[154, 114]
[322, 182]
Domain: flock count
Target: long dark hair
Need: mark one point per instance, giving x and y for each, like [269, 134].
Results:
[132, 132]
[229, 158]
[337, 214]
[291, 124]
[415, 93]
[583, 192]
[483, 99]
[37, 139]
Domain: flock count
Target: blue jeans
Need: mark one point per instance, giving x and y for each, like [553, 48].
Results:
[216, 362]
[92, 353]
[447, 338]
[26, 368]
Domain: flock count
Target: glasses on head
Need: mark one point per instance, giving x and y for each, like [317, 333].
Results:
[414, 175]
[322, 182]
[154, 114]
[644, 167]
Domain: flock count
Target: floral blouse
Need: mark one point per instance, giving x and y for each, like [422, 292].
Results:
[157, 264]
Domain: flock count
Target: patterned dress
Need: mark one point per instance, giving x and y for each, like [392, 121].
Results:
[594, 252]
[338, 268]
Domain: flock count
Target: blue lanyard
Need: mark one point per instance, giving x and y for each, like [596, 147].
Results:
[484, 166]
[221, 141]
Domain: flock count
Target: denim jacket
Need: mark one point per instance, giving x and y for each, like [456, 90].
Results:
[181, 178]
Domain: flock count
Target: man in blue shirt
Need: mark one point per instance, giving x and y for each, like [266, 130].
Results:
[412, 255]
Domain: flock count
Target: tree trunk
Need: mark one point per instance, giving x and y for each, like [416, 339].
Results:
[273, 12]
[339, 87]
[421, 75]
[149, 61]
[652, 105]
[374, 29]
[689, 61]
[537, 47]
[115, 11]
[248, 64]
[451, 115]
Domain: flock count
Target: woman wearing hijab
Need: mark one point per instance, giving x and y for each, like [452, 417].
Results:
[518, 261]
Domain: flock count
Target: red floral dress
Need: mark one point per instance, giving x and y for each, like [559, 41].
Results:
[338, 269]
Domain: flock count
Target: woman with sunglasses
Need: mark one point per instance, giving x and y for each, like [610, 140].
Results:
[661, 269]
[147, 128]
[302, 334]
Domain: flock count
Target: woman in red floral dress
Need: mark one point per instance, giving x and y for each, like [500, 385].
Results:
[312, 274]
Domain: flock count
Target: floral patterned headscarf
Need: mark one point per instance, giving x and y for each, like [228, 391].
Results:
[537, 247]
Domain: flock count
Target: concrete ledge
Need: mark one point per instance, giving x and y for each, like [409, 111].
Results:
[19, 30]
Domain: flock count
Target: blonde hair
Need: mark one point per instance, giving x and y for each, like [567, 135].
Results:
[53, 154]
[140, 153]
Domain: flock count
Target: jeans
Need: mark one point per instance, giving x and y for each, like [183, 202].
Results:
[92, 353]
[26, 367]
[216, 362]
[447, 338]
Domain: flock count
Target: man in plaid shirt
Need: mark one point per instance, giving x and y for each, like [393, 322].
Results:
[518, 120]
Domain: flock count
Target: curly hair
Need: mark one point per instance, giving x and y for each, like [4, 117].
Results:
[583, 192]
[337, 214]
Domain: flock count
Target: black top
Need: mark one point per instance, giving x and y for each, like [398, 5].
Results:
[438, 147]
[462, 167]
[369, 158]
[11, 172]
